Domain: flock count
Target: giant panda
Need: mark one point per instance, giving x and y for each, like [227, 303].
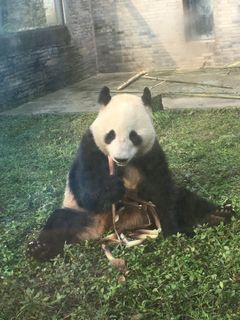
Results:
[123, 131]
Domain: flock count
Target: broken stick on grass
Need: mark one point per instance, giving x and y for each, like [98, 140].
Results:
[118, 263]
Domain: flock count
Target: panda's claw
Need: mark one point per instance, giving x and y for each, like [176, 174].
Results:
[41, 251]
[221, 214]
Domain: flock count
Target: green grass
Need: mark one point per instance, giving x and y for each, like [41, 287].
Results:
[177, 278]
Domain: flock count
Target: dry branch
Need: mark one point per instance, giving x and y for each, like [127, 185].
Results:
[124, 91]
[203, 95]
[233, 65]
[118, 263]
[157, 84]
[131, 80]
[187, 82]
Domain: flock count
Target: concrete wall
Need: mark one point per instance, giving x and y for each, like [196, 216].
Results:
[35, 62]
[138, 34]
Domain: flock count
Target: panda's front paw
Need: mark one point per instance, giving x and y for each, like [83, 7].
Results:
[42, 251]
[114, 189]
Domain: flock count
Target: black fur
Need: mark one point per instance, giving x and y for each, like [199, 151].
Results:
[146, 97]
[135, 138]
[89, 179]
[191, 210]
[179, 209]
[110, 136]
[158, 187]
[104, 96]
[62, 226]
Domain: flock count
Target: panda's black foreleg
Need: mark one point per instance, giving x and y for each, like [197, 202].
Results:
[62, 226]
[192, 210]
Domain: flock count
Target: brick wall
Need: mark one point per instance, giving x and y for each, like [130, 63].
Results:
[35, 62]
[109, 36]
[78, 14]
[19, 15]
[138, 34]
[227, 31]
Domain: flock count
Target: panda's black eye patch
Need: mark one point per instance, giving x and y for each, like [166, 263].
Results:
[110, 136]
[135, 138]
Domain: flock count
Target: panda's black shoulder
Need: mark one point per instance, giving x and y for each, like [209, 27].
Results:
[88, 155]
[87, 144]
[89, 166]
[88, 150]
[155, 157]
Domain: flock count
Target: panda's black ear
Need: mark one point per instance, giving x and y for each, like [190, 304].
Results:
[146, 97]
[104, 96]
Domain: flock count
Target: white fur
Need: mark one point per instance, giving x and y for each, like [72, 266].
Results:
[124, 113]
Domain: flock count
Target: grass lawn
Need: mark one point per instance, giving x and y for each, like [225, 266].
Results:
[177, 278]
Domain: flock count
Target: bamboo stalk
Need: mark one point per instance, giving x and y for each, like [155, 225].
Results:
[157, 85]
[131, 80]
[203, 95]
[186, 82]
[125, 91]
[115, 217]
[118, 263]
[234, 64]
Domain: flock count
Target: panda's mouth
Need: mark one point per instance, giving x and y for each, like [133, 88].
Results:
[121, 162]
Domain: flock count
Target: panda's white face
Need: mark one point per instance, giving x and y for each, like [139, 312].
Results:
[123, 128]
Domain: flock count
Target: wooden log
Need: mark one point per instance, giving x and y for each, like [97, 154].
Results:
[187, 82]
[131, 80]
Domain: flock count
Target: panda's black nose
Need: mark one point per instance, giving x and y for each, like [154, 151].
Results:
[121, 160]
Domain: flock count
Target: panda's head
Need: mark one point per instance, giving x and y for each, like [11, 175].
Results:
[123, 128]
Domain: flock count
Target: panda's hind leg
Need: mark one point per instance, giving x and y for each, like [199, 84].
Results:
[193, 210]
[59, 228]
[66, 225]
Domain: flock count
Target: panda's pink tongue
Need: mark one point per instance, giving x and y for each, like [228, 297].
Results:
[111, 165]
